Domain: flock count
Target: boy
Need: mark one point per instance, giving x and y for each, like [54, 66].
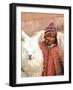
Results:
[52, 53]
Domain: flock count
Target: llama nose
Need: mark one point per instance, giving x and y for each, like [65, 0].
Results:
[30, 57]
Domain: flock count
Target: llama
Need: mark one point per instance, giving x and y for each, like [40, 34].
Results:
[32, 58]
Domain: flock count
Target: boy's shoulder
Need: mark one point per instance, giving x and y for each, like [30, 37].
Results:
[57, 49]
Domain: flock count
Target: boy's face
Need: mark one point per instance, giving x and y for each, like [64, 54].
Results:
[50, 38]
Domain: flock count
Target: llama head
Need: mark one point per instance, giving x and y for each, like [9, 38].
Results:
[30, 46]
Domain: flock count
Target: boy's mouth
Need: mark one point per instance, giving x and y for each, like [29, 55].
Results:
[49, 42]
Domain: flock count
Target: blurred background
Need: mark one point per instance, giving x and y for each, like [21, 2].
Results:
[32, 22]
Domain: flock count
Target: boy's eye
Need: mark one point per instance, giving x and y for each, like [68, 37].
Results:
[53, 36]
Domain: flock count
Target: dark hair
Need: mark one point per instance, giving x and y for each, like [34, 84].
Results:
[56, 42]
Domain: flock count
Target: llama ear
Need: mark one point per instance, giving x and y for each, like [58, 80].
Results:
[24, 36]
[60, 39]
[39, 36]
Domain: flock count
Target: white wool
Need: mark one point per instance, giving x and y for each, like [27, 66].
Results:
[60, 39]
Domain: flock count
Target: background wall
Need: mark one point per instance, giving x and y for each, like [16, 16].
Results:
[32, 22]
[4, 45]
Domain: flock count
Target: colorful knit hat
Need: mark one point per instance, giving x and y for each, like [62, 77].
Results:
[51, 28]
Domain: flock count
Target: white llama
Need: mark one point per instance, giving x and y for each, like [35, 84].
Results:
[32, 59]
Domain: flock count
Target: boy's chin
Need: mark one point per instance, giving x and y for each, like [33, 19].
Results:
[49, 44]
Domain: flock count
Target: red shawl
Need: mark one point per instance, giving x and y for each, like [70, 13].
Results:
[53, 60]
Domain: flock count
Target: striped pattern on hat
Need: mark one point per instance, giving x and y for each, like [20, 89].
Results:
[51, 28]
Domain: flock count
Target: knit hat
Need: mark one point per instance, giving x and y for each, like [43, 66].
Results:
[51, 28]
